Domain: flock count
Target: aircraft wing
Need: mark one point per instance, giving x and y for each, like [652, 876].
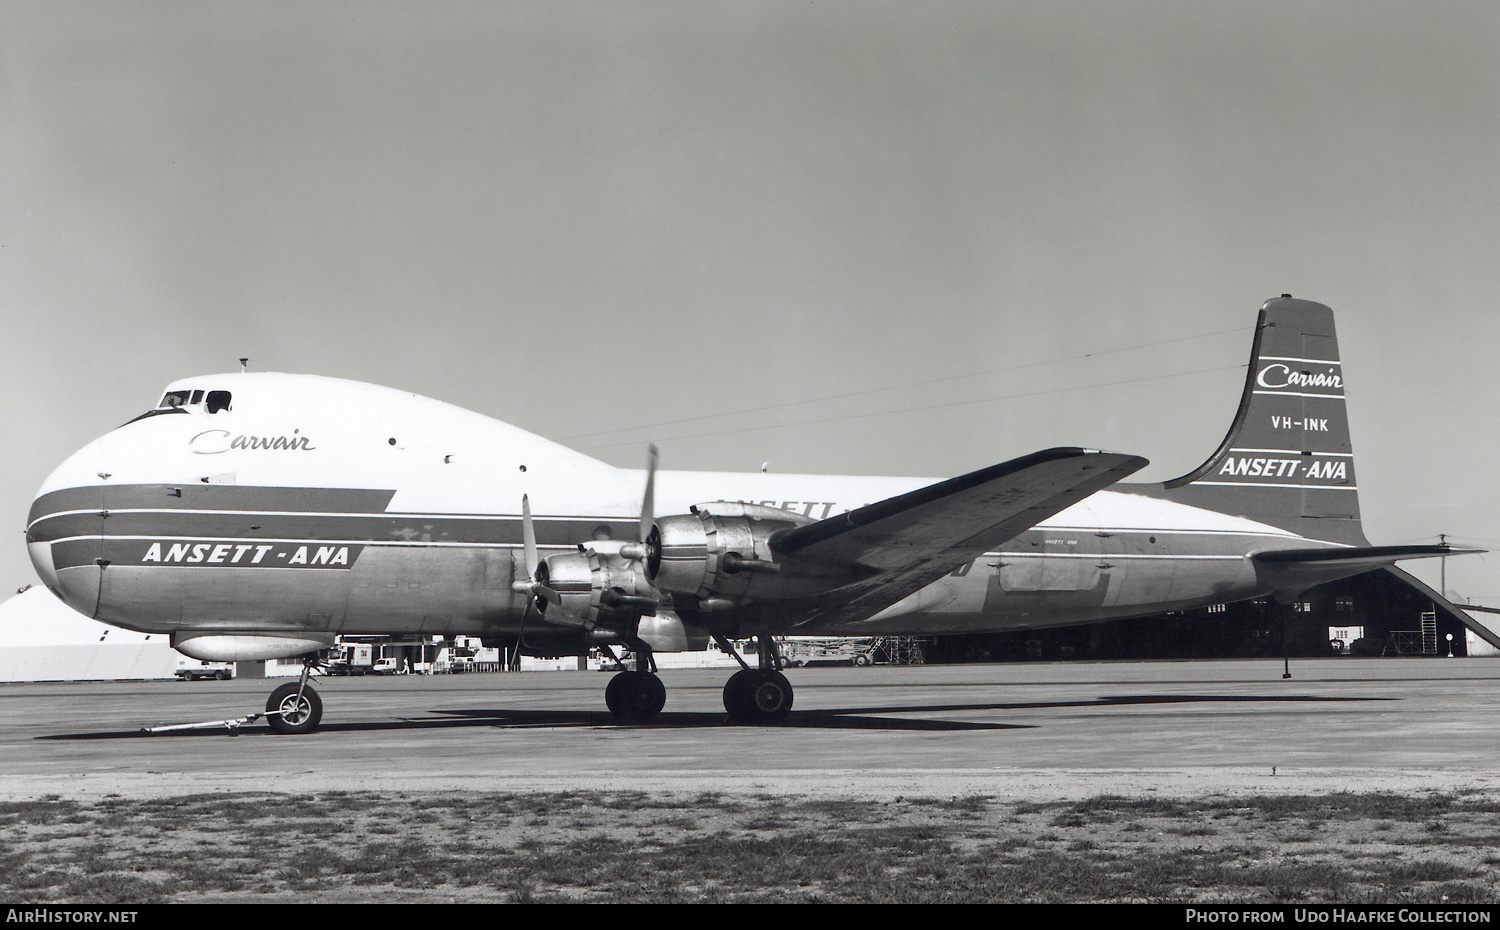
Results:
[902, 544]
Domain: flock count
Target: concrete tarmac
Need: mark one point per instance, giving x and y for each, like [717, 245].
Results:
[1036, 731]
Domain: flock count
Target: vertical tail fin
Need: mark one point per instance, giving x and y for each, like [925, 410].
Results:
[1287, 460]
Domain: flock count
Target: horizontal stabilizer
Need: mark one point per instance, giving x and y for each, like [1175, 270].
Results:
[1374, 556]
[1292, 571]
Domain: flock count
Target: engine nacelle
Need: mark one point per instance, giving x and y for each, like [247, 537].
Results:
[721, 552]
[597, 587]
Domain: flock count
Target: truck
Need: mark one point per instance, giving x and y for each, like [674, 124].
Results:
[195, 670]
[350, 659]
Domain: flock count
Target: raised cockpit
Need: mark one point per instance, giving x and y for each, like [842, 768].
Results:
[190, 400]
[211, 401]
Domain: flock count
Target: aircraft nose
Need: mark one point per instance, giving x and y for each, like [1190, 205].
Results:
[64, 530]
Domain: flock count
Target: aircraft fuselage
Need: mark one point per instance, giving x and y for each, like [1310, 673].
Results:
[317, 505]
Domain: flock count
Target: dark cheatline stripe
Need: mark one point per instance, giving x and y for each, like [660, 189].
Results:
[372, 528]
[74, 552]
[67, 499]
[199, 496]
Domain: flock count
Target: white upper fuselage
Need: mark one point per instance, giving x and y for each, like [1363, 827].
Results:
[199, 503]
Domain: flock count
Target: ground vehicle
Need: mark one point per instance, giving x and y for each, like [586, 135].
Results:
[806, 650]
[350, 659]
[190, 670]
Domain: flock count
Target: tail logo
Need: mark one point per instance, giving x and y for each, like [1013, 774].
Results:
[1285, 468]
[1280, 376]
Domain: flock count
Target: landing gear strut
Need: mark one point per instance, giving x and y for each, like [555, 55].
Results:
[757, 695]
[635, 694]
[295, 707]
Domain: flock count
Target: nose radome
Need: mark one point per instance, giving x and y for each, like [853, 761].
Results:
[63, 529]
[41, 560]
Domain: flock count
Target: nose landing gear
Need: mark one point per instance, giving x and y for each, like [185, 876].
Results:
[295, 707]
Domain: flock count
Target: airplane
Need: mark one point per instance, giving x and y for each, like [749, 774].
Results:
[257, 516]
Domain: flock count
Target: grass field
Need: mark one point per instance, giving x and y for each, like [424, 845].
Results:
[634, 847]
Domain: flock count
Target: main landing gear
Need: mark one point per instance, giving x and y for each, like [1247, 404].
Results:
[757, 695]
[638, 694]
[752, 695]
[295, 707]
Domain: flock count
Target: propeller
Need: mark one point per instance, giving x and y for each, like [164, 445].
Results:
[537, 583]
[637, 550]
[533, 586]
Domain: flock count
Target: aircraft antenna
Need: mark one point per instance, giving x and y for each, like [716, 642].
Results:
[244, 365]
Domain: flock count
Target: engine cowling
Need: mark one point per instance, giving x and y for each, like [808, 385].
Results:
[596, 586]
[720, 553]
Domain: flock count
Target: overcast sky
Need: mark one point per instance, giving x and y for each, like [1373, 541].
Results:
[869, 238]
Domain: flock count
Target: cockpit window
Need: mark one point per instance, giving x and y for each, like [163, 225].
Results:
[197, 397]
[218, 400]
[174, 399]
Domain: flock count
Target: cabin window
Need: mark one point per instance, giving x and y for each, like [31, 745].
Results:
[218, 400]
[173, 399]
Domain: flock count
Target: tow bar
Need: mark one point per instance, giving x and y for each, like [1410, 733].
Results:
[233, 725]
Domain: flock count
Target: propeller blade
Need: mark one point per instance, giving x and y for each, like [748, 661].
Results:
[648, 503]
[533, 586]
[528, 539]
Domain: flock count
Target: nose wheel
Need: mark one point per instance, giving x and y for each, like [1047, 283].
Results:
[294, 708]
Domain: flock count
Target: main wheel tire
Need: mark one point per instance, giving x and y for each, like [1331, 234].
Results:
[614, 698]
[286, 714]
[772, 696]
[757, 696]
[635, 695]
[737, 695]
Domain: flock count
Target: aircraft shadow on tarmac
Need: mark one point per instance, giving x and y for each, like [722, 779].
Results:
[847, 718]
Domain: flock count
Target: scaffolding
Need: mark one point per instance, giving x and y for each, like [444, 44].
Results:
[902, 650]
[1423, 642]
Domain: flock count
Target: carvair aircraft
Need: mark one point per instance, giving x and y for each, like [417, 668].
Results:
[259, 516]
